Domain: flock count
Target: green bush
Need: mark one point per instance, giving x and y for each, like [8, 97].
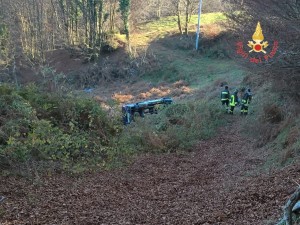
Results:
[5, 89]
[68, 113]
[45, 142]
[177, 127]
[40, 126]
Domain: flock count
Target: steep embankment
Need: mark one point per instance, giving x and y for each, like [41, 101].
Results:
[218, 183]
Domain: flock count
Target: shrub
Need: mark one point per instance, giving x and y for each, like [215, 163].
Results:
[273, 114]
[5, 89]
[40, 126]
[46, 142]
[68, 113]
[111, 43]
[177, 127]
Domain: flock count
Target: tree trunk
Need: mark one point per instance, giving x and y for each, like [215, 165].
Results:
[187, 10]
[289, 206]
[126, 28]
[158, 11]
[288, 214]
[100, 25]
[178, 17]
[125, 13]
[14, 72]
[64, 16]
[112, 14]
[85, 15]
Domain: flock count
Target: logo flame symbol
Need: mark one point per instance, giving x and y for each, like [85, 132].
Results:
[258, 35]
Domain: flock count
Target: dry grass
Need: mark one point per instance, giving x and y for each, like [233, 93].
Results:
[156, 142]
[175, 90]
[155, 92]
[179, 84]
[273, 114]
[211, 30]
[293, 136]
[179, 92]
[122, 97]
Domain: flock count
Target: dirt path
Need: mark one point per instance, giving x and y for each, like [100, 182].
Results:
[215, 184]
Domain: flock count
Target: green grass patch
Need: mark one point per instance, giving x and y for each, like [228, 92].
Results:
[170, 22]
[197, 72]
[158, 29]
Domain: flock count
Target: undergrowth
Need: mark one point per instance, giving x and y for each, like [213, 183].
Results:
[177, 127]
[38, 126]
[275, 124]
[44, 131]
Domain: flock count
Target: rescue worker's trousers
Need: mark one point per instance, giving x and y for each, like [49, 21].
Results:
[231, 109]
[225, 103]
[244, 109]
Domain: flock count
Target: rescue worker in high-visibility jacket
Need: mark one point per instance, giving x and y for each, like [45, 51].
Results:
[225, 95]
[246, 101]
[234, 101]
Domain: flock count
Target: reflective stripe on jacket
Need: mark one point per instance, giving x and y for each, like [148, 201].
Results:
[225, 95]
[246, 99]
[233, 100]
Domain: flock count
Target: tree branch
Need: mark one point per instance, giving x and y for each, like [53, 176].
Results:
[288, 219]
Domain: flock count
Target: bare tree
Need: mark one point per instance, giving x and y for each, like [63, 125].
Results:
[125, 12]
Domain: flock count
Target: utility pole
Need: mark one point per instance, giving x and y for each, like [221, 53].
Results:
[198, 27]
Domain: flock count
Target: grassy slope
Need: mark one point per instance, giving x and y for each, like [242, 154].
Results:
[177, 58]
[194, 118]
[197, 71]
[203, 73]
[148, 32]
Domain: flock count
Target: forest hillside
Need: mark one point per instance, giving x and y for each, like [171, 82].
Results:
[72, 153]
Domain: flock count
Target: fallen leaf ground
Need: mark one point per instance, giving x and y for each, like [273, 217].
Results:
[220, 182]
